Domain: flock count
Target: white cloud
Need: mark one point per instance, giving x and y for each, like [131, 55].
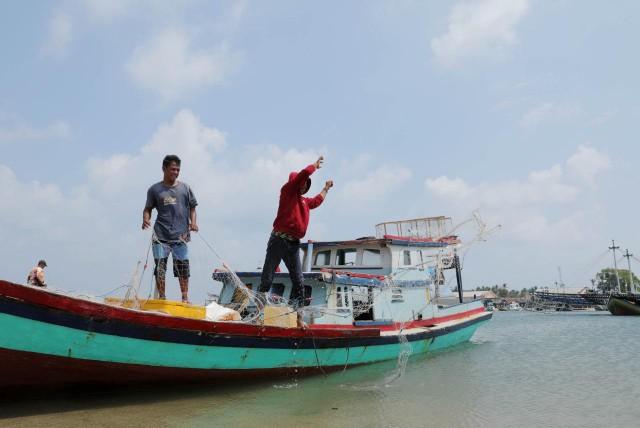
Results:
[168, 65]
[185, 134]
[545, 206]
[587, 163]
[539, 187]
[45, 211]
[59, 35]
[95, 225]
[549, 112]
[539, 228]
[444, 186]
[14, 129]
[478, 29]
[105, 10]
[375, 185]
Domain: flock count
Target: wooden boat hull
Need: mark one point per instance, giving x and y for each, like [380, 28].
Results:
[51, 339]
[622, 306]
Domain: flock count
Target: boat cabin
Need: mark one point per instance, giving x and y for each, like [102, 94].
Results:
[372, 280]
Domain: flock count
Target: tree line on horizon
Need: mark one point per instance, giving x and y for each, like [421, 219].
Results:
[604, 281]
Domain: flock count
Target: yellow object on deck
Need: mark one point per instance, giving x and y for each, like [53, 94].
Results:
[177, 309]
[169, 307]
[280, 316]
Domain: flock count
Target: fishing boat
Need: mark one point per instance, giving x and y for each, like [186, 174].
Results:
[366, 300]
[563, 298]
[623, 301]
[624, 304]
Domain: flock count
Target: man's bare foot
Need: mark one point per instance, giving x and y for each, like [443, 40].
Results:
[300, 322]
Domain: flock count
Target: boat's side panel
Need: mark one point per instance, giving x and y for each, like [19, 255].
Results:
[61, 340]
[40, 304]
[450, 312]
[34, 336]
[455, 337]
[620, 306]
[27, 301]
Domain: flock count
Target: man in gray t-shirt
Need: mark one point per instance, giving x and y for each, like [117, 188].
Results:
[176, 206]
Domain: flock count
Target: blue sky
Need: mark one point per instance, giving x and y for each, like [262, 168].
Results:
[525, 110]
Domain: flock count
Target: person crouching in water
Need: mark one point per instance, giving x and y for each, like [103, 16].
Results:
[36, 276]
[289, 227]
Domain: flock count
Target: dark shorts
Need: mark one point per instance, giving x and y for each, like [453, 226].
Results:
[180, 254]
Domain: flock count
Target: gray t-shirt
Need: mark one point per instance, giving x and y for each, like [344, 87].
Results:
[173, 205]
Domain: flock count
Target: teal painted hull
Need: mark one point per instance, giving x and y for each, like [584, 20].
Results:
[20, 334]
[52, 340]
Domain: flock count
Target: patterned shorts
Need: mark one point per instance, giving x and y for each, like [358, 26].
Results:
[180, 254]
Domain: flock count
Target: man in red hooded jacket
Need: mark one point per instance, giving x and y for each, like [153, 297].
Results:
[289, 227]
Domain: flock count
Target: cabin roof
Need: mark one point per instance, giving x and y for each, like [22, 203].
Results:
[388, 240]
[220, 275]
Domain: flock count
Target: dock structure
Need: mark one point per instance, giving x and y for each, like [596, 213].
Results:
[550, 300]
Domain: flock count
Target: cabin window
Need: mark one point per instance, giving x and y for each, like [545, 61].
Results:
[346, 256]
[371, 257]
[406, 256]
[362, 299]
[307, 295]
[277, 289]
[323, 258]
[396, 295]
[342, 297]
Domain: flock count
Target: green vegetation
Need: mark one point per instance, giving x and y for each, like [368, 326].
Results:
[502, 291]
[606, 280]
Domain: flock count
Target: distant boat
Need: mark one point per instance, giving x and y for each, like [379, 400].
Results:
[568, 299]
[624, 304]
[515, 306]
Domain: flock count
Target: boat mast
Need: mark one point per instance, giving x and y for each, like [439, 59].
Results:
[615, 263]
[456, 260]
[561, 283]
[632, 286]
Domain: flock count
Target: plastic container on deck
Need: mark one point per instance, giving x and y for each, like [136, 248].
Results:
[169, 307]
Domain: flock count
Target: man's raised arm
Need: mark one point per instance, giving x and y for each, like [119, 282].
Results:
[319, 198]
[306, 172]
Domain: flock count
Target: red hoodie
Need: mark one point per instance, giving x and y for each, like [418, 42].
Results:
[293, 211]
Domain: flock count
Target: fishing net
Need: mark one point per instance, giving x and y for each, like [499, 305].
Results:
[363, 299]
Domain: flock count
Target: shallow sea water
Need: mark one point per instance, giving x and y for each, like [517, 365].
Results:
[521, 369]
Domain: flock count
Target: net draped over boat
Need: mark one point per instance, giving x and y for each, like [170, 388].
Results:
[251, 304]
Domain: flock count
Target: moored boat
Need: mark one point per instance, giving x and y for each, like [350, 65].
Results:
[624, 304]
[367, 300]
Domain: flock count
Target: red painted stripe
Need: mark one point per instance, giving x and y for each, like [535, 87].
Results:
[42, 297]
[411, 324]
[354, 274]
[445, 239]
[438, 320]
